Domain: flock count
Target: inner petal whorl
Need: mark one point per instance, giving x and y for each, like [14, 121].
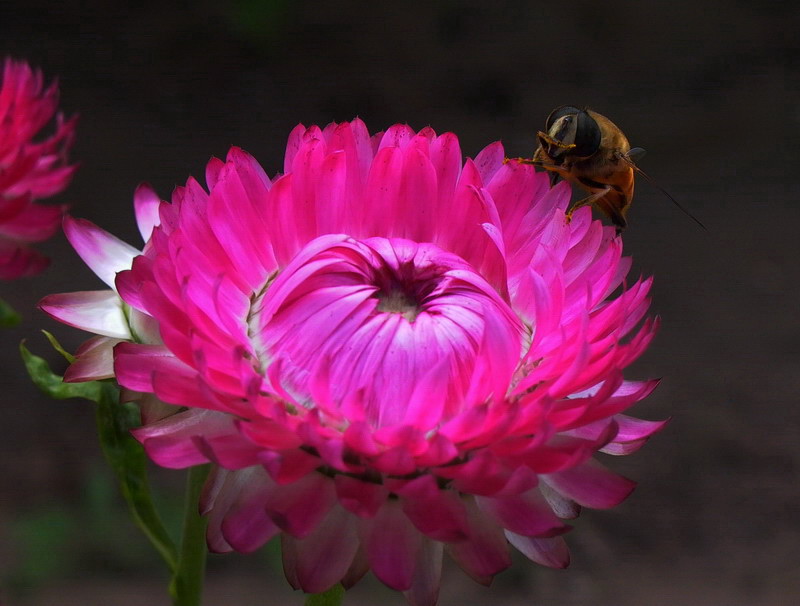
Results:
[381, 319]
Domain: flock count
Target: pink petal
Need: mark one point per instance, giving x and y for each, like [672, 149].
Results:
[437, 513]
[246, 526]
[299, 507]
[105, 254]
[424, 589]
[94, 360]
[170, 442]
[591, 485]
[392, 545]
[490, 159]
[632, 434]
[234, 504]
[231, 451]
[527, 514]
[485, 552]
[289, 466]
[362, 498]
[97, 311]
[146, 203]
[323, 557]
[552, 552]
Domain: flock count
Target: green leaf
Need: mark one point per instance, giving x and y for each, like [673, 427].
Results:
[52, 384]
[8, 316]
[333, 597]
[125, 455]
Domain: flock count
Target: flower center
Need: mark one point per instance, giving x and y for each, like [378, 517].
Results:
[406, 289]
[398, 301]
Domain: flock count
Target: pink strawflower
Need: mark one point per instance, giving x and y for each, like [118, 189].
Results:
[29, 170]
[385, 352]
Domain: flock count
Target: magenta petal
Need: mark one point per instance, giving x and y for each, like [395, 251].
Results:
[361, 498]
[631, 429]
[591, 485]
[439, 450]
[527, 514]
[231, 451]
[129, 283]
[485, 552]
[213, 169]
[392, 545]
[271, 434]
[246, 526]
[170, 442]
[146, 203]
[297, 508]
[320, 559]
[234, 504]
[214, 504]
[489, 160]
[437, 513]
[288, 466]
[151, 368]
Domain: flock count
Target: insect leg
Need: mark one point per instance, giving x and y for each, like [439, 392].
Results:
[586, 201]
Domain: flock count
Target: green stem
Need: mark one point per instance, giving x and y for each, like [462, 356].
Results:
[186, 587]
[333, 597]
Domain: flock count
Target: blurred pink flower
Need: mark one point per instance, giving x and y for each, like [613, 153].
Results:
[29, 170]
[385, 352]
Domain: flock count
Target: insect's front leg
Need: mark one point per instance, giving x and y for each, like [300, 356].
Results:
[587, 200]
[523, 161]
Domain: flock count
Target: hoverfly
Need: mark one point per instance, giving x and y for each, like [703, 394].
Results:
[590, 151]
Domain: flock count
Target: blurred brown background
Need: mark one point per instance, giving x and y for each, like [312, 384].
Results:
[710, 88]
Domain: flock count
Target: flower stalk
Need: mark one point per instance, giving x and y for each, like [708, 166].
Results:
[186, 587]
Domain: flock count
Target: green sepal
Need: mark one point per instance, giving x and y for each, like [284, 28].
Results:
[333, 597]
[57, 346]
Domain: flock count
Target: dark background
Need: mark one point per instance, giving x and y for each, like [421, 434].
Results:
[710, 88]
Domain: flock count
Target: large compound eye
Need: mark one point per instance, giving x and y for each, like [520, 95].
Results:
[587, 136]
[557, 113]
[570, 125]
